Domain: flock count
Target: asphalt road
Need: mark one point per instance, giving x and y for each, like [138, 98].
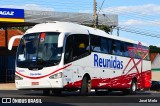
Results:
[73, 98]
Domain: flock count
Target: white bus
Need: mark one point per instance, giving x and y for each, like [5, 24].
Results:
[66, 56]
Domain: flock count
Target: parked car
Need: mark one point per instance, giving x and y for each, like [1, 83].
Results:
[155, 85]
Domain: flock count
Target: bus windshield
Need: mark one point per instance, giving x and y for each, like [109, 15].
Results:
[39, 50]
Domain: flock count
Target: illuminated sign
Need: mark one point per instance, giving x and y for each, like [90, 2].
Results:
[11, 15]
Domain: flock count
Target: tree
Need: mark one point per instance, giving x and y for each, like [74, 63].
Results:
[154, 49]
[23, 29]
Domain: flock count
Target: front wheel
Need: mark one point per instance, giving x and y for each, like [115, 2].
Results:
[86, 86]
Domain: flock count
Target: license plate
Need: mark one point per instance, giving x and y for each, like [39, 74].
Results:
[35, 83]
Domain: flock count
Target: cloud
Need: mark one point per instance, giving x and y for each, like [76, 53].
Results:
[158, 45]
[85, 11]
[28, 7]
[147, 9]
[134, 22]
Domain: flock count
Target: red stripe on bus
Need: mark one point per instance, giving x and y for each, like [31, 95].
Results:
[44, 75]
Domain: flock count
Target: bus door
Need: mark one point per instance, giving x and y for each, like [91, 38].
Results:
[76, 49]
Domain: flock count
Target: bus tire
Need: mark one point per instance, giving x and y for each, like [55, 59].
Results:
[46, 92]
[133, 88]
[86, 86]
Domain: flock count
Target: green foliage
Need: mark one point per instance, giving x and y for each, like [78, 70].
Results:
[154, 49]
[104, 27]
[23, 29]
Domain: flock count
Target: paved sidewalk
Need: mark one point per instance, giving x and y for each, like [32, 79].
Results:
[7, 86]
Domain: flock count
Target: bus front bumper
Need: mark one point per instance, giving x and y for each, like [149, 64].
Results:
[39, 84]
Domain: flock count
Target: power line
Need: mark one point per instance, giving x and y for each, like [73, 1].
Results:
[144, 30]
[134, 15]
[138, 32]
[134, 30]
[101, 6]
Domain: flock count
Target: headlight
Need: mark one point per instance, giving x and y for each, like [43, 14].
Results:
[55, 76]
[18, 77]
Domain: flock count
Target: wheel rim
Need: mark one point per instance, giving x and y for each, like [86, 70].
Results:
[134, 87]
[89, 85]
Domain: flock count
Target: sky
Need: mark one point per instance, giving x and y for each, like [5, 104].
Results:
[141, 17]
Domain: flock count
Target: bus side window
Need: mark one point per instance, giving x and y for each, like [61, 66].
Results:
[81, 45]
[114, 47]
[77, 46]
[109, 46]
[104, 48]
[68, 50]
[118, 48]
[96, 43]
[126, 53]
[122, 48]
[147, 57]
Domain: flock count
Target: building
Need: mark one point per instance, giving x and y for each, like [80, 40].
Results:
[155, 62]
[7, 58]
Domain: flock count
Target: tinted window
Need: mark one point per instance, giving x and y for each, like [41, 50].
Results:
[117, 48]
[81, 45]
[126, 53]
[96, 43]
[69, 49]
[77, 46]
[99, 44]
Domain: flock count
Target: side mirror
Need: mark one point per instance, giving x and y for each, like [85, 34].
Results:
[11, 41]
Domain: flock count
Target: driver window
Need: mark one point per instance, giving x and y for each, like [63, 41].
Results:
[68, 49]
[77, 46]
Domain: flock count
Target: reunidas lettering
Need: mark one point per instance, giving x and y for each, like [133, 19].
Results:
[7, 13]
[107, 63]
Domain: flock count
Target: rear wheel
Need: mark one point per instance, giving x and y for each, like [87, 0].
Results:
[46, 92]
[132, 89]
[86, 86]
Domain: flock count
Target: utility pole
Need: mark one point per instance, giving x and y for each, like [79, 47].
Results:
[117, 31]
[95, 18]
